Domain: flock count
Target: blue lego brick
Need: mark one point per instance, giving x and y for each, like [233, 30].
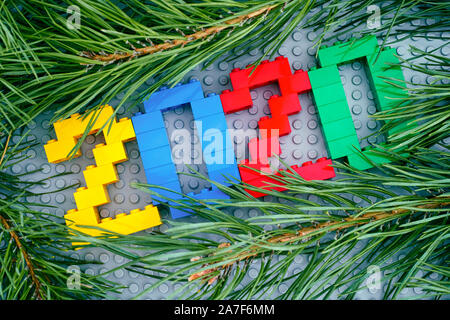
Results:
[177, 213]
[178, 95]
[157, 157]
[211, 124]
[207, 106]
[162, 175]
[213, 193]
[147, 122]
[152, 139]
[212, 156]
[220, 173]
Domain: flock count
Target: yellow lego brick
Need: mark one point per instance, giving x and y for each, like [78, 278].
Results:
[68, 128]
[112, 153]
[102, 175]
[136, 221]
[99, 118]
[121, 131]
[88, 217]
[58, 151]
[91, 197]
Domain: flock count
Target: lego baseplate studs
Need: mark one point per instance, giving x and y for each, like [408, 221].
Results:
[98, 176]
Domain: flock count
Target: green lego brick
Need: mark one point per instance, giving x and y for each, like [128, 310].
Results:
[387, 95]
[343, 146]
[360, 162]
[333, 111]
[339, 129]
[380, 62]
[350, 50]
[324, 77]
[329, 94]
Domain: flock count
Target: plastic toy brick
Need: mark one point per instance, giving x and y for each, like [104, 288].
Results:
[112, 153]
[321, 170]
[343, 146]
[58, 150]
[280, 123]
[236, 100]
[339, 129]
[333, 112]
[137, 220]
[152, 139]
[178, 95]
[91, 197]
[215, 121]
[288, 104]
[213, 156]
[147, 122]
[329, 94]
[262, 149]
[157, 157]
[253, 171]
[297, 83]
[162, 175]
[350, 50]
[324, 77]
[223, 173]
[121, 131]
[102, 175]
[206, 106]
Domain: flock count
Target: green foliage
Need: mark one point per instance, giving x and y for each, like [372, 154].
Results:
[394, 217]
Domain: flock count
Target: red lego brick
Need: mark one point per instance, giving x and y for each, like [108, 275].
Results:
[268, 126]
[269, 72]
[237, 100]
[321, 170]
[248, 174]
[297, 83]
[262, 149]
[284, 105]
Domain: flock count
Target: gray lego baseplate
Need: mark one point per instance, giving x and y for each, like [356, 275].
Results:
[305, 143]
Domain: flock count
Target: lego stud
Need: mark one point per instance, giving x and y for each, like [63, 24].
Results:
[321, 159]
[211, 94]
[81, 189]
[307, 163]
[236, 70]
[265, 61]
[99, 145]
[226, 91]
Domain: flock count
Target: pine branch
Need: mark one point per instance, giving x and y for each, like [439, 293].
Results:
[302, 234]
[37, 285]
[199, 35]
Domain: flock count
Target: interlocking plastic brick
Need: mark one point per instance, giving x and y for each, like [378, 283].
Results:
[276, 125]
[350, 50]
[121, 131]
[329, 94]
[297, 83]
[206, 106]
[343, 146]
[324, 77]
[157, 157]
[223, 173]
[162, 175]
[178, 95]
[59, 150]
[339, 129]
[123, 223]
[262, 149]
[152, 139]
[333, 112]
[102, 175]
[288, 104]
[321, 170]
[147, 122]
[236, 100]
[252, 171]
[112, 153]
[91, 197]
